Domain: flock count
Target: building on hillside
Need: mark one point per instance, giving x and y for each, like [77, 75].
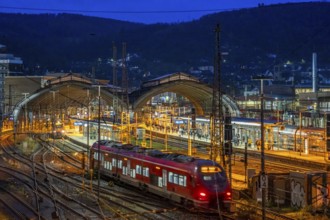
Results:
[9, 64]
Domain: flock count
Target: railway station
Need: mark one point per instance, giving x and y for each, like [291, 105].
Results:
[98, 116]
[173, 129]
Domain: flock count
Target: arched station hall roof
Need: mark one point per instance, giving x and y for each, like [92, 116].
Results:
[199, 93]
[69, 90]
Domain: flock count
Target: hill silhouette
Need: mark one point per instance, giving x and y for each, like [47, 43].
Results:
[254, 39]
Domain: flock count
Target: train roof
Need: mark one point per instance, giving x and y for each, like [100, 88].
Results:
[181, 160]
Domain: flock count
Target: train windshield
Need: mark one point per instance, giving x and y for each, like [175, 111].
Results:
[212, 173]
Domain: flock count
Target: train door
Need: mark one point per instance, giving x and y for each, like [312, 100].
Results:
[162, 181]
[128, 167]
[102, 160]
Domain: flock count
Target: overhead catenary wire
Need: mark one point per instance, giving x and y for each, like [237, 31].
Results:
[116, 11]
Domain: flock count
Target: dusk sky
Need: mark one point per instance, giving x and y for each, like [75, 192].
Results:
[144, 11]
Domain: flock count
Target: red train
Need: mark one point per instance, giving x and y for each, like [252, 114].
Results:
[183, 179]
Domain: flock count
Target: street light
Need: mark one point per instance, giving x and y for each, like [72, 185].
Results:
[189, 139]
[263, 174]
[98, 145]
[150, 130]
[245, 152]
[277, 110]
[165, 126]
[87, 134]
[25, 110]
[300, 130]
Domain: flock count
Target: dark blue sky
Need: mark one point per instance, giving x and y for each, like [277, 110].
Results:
[145, 11]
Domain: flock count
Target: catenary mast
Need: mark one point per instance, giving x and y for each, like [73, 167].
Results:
[217, 111]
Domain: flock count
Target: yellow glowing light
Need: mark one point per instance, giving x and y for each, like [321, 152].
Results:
[210, 169]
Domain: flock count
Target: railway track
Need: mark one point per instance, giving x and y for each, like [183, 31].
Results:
[112, 203]
[14, 202]
[66, 196]
[50, 202]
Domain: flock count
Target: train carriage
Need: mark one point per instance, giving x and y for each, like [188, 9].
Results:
[181, 178]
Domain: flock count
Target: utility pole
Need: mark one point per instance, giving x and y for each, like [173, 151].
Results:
[124, 85]
[150, 140]
[114, 83]
[125, 119]
[2, 95]
[216, 120]
[228, 136]
[87, 133]
[189, 139]
[99, 144]
[25, 111]
[165, 137]
[263, 176]
[98, 138]
[53, 113]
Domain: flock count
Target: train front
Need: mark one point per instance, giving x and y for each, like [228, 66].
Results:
[212, 188]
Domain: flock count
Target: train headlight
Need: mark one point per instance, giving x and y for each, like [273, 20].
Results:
[202, 196]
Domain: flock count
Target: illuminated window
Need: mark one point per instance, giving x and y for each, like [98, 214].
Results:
[182, 180]
[120, 164]
[132, 174]
[210, 169]
[175, 178]
[138, 169]
[124, 170]
[114, 162]
[146, 171]
[107, 165]
[160, 181]
[170, 177]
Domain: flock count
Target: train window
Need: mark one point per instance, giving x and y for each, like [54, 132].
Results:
[175, 178]
[132, 173]
[182, 180]
[95, 156]
[107, 165]
[160, 181]
[138, 169]
[124, 170]
[146, 171]
[114, 162]
[170, 177]
[210, 169]
[120, 164]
